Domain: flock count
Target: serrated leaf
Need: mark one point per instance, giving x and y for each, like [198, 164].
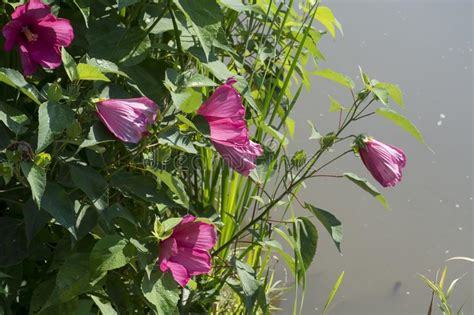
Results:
[205, 16]
[368, 187]
[308, 240]
[401, 121]
[36, 177]
[57, 203]
[92, 183]
[53, 119]
[69, 65]
[198, 80]
[111, 252]
[248, 281]
[330, 222]
[188, 101]
[72, 279]
[335, 105]
[336, 77]
[14, 119]
[161, 291]
[174, 184]
[393, 91]
[326, 17]
[15, 79]
[87, 72]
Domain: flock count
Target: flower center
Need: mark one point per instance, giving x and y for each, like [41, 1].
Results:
[31, 37]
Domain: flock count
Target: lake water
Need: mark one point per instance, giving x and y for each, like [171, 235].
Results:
[427, 48]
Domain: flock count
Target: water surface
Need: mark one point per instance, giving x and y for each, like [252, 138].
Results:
[427, 48]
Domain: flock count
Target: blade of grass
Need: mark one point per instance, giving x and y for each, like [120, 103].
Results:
[333, 292]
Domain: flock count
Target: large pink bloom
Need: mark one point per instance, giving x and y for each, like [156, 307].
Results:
[225, 114]
[38, 34]
[384, 162]
[186, 252]
[128, 119]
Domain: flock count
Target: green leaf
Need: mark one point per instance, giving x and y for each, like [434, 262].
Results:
[393, 91]
[104, 306]
[87, 72]
[333, 292]
[54, 92]
[92, 183]
[35, 219]
[368, 187]
[72, 279]
[174, 184]
[57, 203]
[205, 16]
[308, 240]
[336, 77]
[36, 177]
[141, 186]
[330, 222]
[238, 6]
[325, 16]
[335, 105]
[314, 134]
[13, 245]
[111, 252]
[273, 133]
[401, 121]
[125, 3]
[116, 211]
[106, 66]
[14, 79]
[250, 284]
[198, 80]
[84, 8]
[176, 140]
[14, 119]
[126, 46]
[69, 65]
[53, 119]
[188, 101]
[98, 134]
[219, 70]
[161, 291]
[170, 224]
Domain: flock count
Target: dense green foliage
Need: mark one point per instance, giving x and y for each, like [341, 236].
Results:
[81, 213]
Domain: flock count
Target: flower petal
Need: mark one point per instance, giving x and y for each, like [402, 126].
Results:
[57, 32]
[29, 66]
[195, 235]
[11, 31]
[179, 273]
[122, 121]
[225, 102]
[234, 131]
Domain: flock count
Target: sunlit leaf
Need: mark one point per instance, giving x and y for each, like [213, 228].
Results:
[368, 187]
[401, 121]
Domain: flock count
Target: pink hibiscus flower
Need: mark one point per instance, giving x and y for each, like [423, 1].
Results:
[385, 162]
[128, 119]
[38, 34]
[186, 252]
[225, 114]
